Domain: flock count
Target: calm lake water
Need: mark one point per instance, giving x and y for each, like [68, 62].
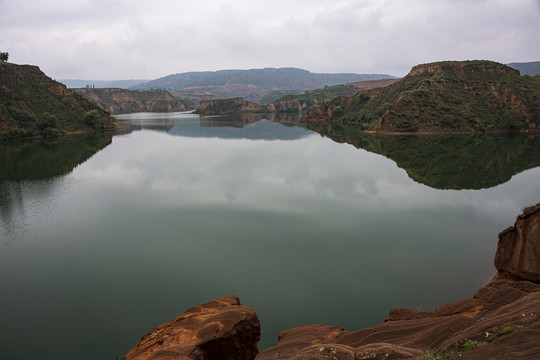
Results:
[103, 238]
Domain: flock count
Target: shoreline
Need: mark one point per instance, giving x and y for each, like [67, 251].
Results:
[501, 321]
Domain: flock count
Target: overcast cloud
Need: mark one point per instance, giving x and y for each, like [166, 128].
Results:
[121, 39]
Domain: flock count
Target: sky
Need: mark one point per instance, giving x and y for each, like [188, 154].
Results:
[148, 39]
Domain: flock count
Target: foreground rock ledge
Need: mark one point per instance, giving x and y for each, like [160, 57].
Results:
[218, 329]
[502, 320]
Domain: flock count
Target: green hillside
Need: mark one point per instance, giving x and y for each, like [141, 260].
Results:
[34, 105]
[447, 161]
[449, 96]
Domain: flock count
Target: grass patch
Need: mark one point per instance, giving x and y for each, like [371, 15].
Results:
[469, 345]
[505, 331]
[430, 355]
[448, 354]
[530, 208]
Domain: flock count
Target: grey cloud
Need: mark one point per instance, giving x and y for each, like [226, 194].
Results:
[105, 39]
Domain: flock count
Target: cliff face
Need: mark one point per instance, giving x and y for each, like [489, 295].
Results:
[518, 250]
[290, 103]
[448, 96]
[32, 104]
[502, 321]
[122, 101]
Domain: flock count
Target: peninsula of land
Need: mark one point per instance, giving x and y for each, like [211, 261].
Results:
[34, 105]
[447, 96]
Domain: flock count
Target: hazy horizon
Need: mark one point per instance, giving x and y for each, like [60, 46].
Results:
[99, 39]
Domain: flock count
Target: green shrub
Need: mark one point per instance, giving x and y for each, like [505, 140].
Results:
[430, 355]
[17, 133]
[382, 109]
[529, 208]
[338, 111]
[94, 119]
[47, 121]
[513, 120]
[48, 125]
[470, 345]
[22, 115]
[506, 330]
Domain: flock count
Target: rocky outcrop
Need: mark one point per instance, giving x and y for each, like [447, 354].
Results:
[498, 319]
[501, 321]
[218, 329]
[518, 250]
[122, 101]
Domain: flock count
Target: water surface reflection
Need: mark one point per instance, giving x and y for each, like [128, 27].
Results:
[173, 213]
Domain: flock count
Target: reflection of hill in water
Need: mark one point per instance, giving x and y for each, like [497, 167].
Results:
[450, 161]
[48, 158]
[260, 130]
[244, 126]
[42, 161]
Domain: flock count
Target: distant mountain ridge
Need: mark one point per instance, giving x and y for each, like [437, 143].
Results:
[251, 84]
[527, 68]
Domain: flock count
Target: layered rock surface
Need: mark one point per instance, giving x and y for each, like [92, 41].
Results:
[501, 321]
[218, 329]
[518, 251]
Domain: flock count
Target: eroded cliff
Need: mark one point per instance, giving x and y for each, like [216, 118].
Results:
[122, 101]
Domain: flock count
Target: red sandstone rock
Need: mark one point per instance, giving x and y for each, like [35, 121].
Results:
[223, 329]
[330, 351]
[508, 301]
[218, 329]
[380, 351]
[518, 250]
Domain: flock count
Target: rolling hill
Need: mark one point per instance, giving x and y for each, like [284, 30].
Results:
[448, 96]
[251, 85]
[34, 105]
